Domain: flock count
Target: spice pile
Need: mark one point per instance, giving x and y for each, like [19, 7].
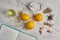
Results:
[49, 18]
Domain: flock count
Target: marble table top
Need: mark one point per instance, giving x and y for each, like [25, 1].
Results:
[20, 5]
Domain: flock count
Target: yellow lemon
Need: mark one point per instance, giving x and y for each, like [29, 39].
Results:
[25, 17]
[38, 17]
[30, 25]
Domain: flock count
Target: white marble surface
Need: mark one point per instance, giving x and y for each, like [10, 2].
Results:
[17, 5]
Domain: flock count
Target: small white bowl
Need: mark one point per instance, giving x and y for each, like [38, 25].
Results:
[34, 6]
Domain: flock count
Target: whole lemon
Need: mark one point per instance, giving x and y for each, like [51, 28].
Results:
[38, 17]
[25, 17]
[30, 25]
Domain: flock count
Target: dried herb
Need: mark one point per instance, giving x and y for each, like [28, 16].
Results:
[50, 31]
[18, 17]
[47, 10]
[20, 12]
[18, 20]
[40, 31]
[48, 24]
[50, 17]
[42, 27]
